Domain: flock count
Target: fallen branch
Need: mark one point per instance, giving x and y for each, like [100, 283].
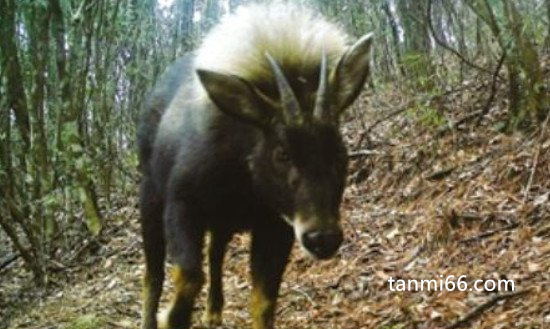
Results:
[489, 233]
[387, 116]
[440, 174]
[362, 153]
[478, 310]
[487, 106]
[449, 48]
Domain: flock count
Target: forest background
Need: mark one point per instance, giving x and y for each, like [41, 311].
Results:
[74, 75]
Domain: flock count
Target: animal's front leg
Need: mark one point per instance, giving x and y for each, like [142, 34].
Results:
[184, 237]
[270, 249]
[214, 303]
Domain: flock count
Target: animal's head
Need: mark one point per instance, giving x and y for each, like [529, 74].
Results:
[300, 162]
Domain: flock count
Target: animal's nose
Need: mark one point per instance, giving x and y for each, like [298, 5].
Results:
[322, 243]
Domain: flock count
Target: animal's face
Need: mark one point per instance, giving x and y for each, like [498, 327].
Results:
[303, 171]
[300, 162]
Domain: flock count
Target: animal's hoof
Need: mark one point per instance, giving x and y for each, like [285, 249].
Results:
[212, 319]
[162, 319]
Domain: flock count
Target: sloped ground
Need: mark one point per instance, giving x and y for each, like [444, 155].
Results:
[423, 203]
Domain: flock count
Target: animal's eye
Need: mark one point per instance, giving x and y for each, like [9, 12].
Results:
[280, 156]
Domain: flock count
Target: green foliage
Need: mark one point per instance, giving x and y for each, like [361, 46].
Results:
[419, 70]
[427, 115]
[430, 116]
[84, 69]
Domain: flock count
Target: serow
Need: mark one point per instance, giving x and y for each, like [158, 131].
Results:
[243, 135]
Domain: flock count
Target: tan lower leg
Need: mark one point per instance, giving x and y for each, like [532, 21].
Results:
[262, 308]
[150, 299]
[187, 288]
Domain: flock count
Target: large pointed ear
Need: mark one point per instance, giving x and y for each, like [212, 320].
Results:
[236, 97]
[350, 73]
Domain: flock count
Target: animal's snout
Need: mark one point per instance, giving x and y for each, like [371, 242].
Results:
[322, 243]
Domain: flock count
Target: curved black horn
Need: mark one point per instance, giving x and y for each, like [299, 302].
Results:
[291, 107]
[321, 102]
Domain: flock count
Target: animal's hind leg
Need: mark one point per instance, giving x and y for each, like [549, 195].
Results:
[214, 303]
[270, 250]
[184, 237]
[154, 249]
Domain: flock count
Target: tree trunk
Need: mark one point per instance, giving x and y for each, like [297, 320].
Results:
[417, 59]
[532, 107]
[16, 96]
[395, 36]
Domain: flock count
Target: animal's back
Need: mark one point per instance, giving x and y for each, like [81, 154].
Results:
[156, 104]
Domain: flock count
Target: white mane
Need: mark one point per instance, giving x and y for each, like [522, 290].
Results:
[294, 35]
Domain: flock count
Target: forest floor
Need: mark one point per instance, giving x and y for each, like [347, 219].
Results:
[434, 191]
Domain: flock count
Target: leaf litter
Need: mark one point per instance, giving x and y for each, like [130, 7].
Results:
[422, 203]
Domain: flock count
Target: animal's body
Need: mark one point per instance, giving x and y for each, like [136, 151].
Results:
[243, 135]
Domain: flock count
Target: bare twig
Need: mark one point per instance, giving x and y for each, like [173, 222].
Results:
[387, 116]
[305, 294]
[362, 153]
[489, 233]
[478, 310]
[449, 48]
[440, 174]
[494, 81]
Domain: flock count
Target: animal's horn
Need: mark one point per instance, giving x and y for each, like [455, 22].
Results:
[291, 107]
[321, 102]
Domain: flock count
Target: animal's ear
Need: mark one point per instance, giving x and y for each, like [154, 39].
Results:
[349, 75]
[235, 96]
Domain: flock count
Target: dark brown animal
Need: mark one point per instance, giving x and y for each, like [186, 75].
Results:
[244, 135]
